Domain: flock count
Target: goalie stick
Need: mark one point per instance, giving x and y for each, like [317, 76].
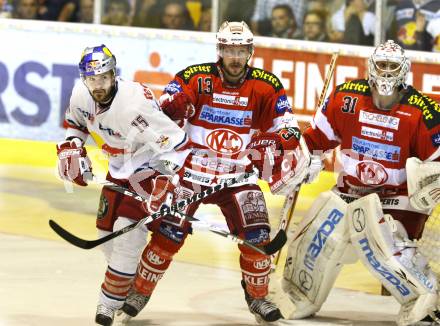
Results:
[290, 201]
[279, 240]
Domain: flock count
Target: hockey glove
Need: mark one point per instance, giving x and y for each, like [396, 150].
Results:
[162, 193]
[73, 161]
[267, 150]
[177, 107]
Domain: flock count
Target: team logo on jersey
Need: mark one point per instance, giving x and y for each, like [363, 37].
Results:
[267, 77]
[224, 141]
[229, 99]
[197, 69]
[377, 133]
[371, 173]
[163, 142]
[173, 87]
[376, 150]
[379, 120]
[282, 105]
[436, 139]
[89, 116]
[227, 117]
[355, 87]
[110, 131]
[429, 108]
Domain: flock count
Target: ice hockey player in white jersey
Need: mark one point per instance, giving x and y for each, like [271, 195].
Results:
[390, 152]
[125, 121]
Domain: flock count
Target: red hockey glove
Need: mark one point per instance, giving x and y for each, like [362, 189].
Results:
[73, 161]
[177, 106]
[162, 192]
[268, 149]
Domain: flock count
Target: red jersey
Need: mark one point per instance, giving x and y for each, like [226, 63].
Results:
[375, 144]
[227, 116]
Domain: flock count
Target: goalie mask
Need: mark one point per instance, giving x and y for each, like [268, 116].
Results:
[97, 69]
[388, 68]
[230, 38]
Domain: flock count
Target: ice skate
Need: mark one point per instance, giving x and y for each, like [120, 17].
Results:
[104, 315]
[265, 312]
[134, 303]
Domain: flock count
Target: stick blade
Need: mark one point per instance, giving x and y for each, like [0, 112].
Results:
[277, 243]
[72, 239]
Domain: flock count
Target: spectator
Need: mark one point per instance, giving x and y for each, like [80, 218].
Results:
[176, 16]
[433, 28]
[314, 28]
[26, 9]
[261, 18]
[6, 9]
[59, 10]
[353, 23]
[205, 20]
[237, 10]
[148, 13]
[117, 13]
[283, 22]
[411, 19]
[85, 14]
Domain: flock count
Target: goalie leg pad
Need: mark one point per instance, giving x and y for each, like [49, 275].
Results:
[383, 246]
[315, 253]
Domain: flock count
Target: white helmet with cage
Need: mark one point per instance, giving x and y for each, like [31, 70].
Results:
[234, 33]
[388, 68]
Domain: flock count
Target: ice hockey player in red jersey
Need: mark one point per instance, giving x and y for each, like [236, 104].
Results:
[124, 119]
[389, 135]
[226, 107]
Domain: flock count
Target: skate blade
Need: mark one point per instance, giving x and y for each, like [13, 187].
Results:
[121, 318]
[261, 321]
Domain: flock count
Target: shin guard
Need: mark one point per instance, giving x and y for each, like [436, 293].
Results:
[255, 269]
[155, 260]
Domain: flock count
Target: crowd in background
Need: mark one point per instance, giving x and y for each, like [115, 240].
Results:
[415, 24]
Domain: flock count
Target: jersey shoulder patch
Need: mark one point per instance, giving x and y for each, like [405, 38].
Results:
[209, 68]
[359, 86]
[265, 76]
[429, 108]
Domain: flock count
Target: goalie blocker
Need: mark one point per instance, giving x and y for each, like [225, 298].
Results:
[334, 233]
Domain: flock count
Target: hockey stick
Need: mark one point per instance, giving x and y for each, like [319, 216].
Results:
[165, 210]
[269, 249]
[290, 201]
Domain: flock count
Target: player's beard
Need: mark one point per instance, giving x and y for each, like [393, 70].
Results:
[234, 69]
[101, 95]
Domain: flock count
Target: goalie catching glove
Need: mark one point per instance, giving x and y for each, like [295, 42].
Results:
[73, 161]
[177, 107]
[423, 183]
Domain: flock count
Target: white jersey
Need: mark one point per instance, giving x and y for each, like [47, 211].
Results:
[132, 130]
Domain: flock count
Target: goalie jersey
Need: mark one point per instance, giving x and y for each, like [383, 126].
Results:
[375, 144]
[132, 130]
